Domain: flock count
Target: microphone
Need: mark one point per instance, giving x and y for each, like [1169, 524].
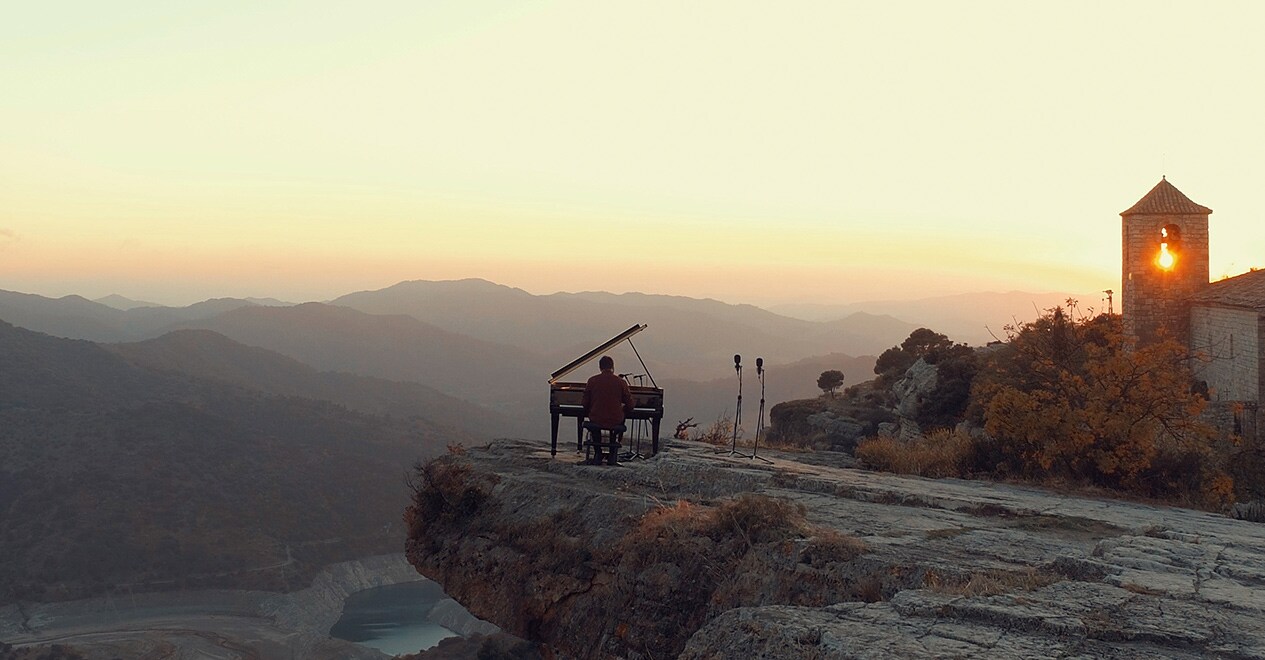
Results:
[624, 375]
[759, 365]
[737, 362]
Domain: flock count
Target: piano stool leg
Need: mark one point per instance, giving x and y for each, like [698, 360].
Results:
[553, 445]
[593, 448]
[579, 434]
[616, 443]
[654, 433]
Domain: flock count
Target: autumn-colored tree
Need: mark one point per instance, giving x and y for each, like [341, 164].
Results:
[1067, 398]
[829, 381]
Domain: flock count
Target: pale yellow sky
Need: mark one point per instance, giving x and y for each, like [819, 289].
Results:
[752, 152]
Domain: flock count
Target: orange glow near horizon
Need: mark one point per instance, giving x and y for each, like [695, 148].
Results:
[228, 149]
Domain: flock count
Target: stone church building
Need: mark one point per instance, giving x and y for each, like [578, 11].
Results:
[1165, 288]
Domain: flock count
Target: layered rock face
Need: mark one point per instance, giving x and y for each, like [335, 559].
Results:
[210, 623]
[672, 556]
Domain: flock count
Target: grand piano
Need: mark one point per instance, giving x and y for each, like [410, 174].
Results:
[565, 397]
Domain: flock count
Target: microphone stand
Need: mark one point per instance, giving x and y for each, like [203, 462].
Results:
[759, 371]
[733, 449]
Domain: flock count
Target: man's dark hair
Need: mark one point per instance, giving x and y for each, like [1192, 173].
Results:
[606, 363]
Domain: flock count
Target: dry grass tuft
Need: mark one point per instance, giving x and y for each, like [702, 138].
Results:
[720, 432]
[833, 546]
[444, 488]
[747, 519]
[939, 454]
[990, 583]
[763, 519]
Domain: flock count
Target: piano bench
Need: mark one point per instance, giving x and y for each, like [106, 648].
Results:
[603, 440]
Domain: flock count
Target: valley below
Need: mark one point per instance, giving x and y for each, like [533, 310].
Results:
[218, 623]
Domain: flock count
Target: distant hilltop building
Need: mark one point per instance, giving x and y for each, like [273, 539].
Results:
[1166, 290]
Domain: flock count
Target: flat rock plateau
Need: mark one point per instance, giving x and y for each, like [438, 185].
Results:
[667, 557]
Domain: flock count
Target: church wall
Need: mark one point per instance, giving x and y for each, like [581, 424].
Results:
[1260, 375]
[1226, 343]
[1260, 353]
[1235, 417]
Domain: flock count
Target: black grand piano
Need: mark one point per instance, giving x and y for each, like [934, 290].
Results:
[565, 398]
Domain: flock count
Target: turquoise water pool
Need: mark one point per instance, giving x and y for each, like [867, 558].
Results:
[392, 619]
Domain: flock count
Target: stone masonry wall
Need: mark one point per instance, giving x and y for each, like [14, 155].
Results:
[1226, 344]
[1152, 298]
[1260, 375]
[1237, 417]
[1260, 354]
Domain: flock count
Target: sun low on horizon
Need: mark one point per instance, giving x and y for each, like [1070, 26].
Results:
[811, 152]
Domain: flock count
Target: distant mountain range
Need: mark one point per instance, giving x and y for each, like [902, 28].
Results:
[76, 317]
[214, 357]
[119, 302]
[687, 337]
[395, 347]
[973, 318]
[193, 461]
[491, 347]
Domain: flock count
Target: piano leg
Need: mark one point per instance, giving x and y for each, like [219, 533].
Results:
[579, 433]
[553, 446]
[654, 434]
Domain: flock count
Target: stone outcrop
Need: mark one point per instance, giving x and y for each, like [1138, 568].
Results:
[910, 391]
[840, 563]
[319, 606]
[451, 615]
[839, 430]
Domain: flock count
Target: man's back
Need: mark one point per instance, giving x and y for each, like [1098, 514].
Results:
[607, 399]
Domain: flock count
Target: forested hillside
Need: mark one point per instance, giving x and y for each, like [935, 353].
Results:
[113, 474]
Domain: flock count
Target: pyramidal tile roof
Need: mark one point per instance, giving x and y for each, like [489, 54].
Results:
[1166, 199]
[1246, 290]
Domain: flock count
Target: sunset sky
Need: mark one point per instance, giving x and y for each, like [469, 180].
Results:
[752, 152]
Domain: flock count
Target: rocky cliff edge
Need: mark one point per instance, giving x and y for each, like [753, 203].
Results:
[699, 555]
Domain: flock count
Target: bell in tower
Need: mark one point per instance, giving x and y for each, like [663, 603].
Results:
[1164, 264]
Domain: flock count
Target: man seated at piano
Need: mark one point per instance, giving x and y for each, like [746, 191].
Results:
[607, 402]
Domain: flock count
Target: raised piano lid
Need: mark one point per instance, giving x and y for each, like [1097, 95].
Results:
[580, 361]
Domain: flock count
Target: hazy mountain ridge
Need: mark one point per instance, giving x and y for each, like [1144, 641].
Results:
[395, 347]
[113, 472]
[76, 317]
[209, 355]
[123, 303]
[973, 318]
[494, 345]
[687, 338]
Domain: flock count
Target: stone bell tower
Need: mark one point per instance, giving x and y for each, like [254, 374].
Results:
[1165, 262]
